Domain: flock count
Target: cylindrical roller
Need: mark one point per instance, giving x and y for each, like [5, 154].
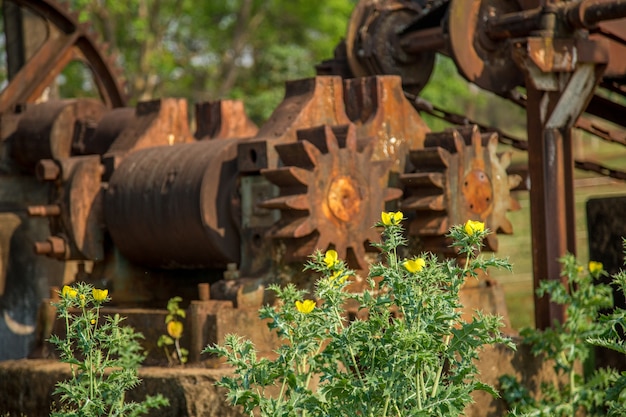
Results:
[47, 130]
[172, 206]
[109, 128]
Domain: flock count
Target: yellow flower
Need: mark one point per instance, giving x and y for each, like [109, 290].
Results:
[175, 329]
[595, 267]
[414, 265]
[336, 275]
[472, 227]
[93, 321]
[82, 299]
[330, 259]
[99, 295]
[391, 218]
[69, 292]
[306, 306]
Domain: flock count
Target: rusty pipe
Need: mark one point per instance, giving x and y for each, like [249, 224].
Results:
[582, 15]
[424, 40]
[589, 13]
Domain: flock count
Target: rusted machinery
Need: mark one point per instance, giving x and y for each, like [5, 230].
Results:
[555, 58]
[131, 199]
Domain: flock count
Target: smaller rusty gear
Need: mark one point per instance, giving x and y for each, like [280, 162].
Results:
[331, 194]
[458, 176]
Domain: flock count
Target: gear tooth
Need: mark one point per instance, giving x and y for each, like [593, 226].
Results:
[287, 176]
[293, 202]
[301, 154]
[492, 142]
[351, 139]
[332, 144]
[342, 251]
[505, 159]
[459, 142]
[513, 181]
[292, 229]
[491, 242]
[514, 205]
[506, 227]
[429, 224]
[355, 256]
[390, 194]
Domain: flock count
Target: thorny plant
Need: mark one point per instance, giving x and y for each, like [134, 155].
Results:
[412, 356]
[103, 356]
[569, 346]
[174, 327]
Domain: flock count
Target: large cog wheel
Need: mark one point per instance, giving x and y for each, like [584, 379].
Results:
[331, 194]
[458, 176]
[67, 41]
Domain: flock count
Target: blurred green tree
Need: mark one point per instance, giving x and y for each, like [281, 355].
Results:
[210, 50]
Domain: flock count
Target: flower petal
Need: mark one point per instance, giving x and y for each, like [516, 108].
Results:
[414, 265]
[472, 227]
[175, 329]
[306, 306]
[99, 295]
[330, 259]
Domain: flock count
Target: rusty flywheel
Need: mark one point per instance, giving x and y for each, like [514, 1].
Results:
[456, 177]
[331, 193]
[64, 40]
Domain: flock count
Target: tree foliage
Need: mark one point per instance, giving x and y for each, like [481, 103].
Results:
[212, 50]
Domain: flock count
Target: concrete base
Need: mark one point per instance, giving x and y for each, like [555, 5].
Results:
[27, 385]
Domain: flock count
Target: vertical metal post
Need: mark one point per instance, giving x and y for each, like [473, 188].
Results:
[550, 205]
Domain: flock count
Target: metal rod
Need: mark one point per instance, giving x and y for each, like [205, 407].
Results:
[424, 40]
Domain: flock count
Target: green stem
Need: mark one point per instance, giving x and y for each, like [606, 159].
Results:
[67, 336]
[89, 356]
[418, 385]
[572, 387]
[178, 351]
[386, 406]
[439, 371]
[352, 356]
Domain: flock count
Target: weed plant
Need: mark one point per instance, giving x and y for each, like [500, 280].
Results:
[174, 326]
[412, 355]
[103, 355]
[570, 346]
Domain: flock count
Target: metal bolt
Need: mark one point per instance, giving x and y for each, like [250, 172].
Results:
[54, 246]
[44, 211]
[48, 170]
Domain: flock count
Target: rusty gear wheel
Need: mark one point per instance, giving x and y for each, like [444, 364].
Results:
[458, 176]
[331, 193]
[67, 40]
